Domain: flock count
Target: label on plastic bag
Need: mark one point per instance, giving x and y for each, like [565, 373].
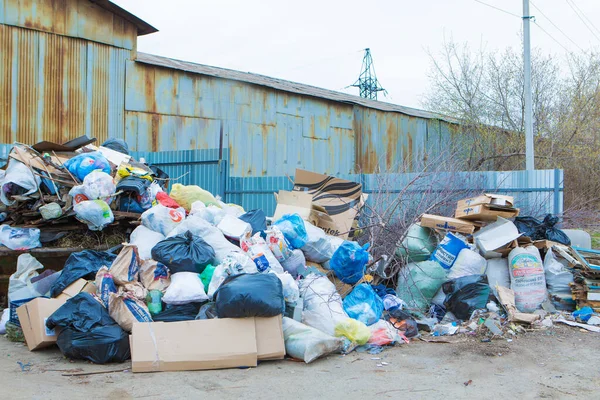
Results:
[48, 331]
[262, 264]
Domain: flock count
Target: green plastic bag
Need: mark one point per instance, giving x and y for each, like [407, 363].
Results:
[418, 244]
[206, 276]
[419, 282]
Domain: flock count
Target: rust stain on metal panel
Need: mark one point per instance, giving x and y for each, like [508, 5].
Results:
[26, 89]
[6, 54]
[99, 95]
[155, 132]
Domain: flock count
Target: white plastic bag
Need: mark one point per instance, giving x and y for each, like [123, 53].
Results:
[306, 343]
[185, 287]
[95, 213]
[498, 274]
[323, 308]
[318, 248]
[234, 263]
[162, 219]
[211, 214]
[27, 266]
[294, 262]
[558, 277]
[197, 206]
[145, 239]
[527, 278]
[467, 263]
[4, 320]
[19, 238]
[233, 227]
[19, 174]
[291, 293]
[210, 234]
[97, 185]
[257, 249]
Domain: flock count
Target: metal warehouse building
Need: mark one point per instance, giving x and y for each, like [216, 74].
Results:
[71, 67]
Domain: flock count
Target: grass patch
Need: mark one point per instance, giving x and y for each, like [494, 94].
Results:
[596, 240]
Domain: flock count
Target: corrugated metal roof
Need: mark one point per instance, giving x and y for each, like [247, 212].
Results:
[283, 85]
[143, 28]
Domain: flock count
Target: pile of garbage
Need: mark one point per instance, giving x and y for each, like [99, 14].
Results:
[255, 287]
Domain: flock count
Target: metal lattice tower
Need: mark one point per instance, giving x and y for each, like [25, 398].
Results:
[367, 81]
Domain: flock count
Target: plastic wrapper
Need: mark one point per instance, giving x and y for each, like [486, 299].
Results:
[349, 261]
[83, 264]
[126, 266]
[250, 295]
[209, 233]
[185, 287]
[162, 219]
[323, 308]
[465, 295]
[292, 227]
[207, 311]
[278, 244]
[18, 180]
[558, 278]
[403, 322]
[88, 332]
[19, 238]
[154, 275]
[83, 164]
[145, 239]
[184, 253]
[257, 249]
[187, 195]
[127, 310]
[308, 344]
[527, 278]
[95, 213]
[468, 262]
[353, 330]
[363, 304]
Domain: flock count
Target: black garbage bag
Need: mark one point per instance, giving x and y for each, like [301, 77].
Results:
[83, 264]
[538, 230]
[250, 295]
[184, 253]
[466, 294]
[257, 220]
[117, 145]
[87, 331]
[402, 321]
[174, 313]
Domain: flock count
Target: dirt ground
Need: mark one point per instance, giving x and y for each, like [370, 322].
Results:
[558, 363]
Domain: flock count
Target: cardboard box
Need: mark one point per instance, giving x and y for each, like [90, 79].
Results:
[495, 199]
[293, 203]
[447, 224]
[339, 199]
[497, 238]
[80, 285]
[33, 316]
[269, 338]
[485, 212]
[194, 345]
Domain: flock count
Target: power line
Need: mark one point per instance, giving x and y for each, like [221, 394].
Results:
[582, 20]
[556, 26]
[499, 9]
[585, 16]
[550, 36]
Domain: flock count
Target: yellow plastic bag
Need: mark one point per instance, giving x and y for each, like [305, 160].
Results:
[353, 330]
[186, 195]
[126, 170]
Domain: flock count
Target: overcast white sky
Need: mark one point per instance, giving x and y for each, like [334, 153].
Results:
[320, 42]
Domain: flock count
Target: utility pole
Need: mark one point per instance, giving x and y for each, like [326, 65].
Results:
[529, 160]
[367, 81]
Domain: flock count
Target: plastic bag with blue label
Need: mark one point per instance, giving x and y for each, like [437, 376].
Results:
[105, 285]
[363, 304]
[349, 261]
[83, 164]
[448, 249]
[126, 267]
[292, 227]
[127, 310]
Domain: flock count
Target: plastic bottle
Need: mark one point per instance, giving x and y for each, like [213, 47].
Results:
[154, 301]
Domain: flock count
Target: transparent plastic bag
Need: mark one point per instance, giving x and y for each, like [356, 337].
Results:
[27, 267]
[364, 304]
[97, 185]
[291, 292]
[187, 195]
[323, 308]
[19, 238]
[292, 227]
[18, 179]
[83, 164]
[95, 213]
[306, 343]
[162, 219]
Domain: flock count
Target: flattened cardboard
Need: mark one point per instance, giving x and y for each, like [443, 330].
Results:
[448, 224]
[193, 345]
[507, 298]
[33, 316]
[80, 285]
[495, 236]
[485, 212]
[293, 203]
[488, 198]
[340, 199]
[269, 338]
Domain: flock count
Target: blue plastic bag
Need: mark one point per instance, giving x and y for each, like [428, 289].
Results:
[81, 165]
[363, 304]
[447, 251]
[584, 313]
[292, 227]
[349, 261]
